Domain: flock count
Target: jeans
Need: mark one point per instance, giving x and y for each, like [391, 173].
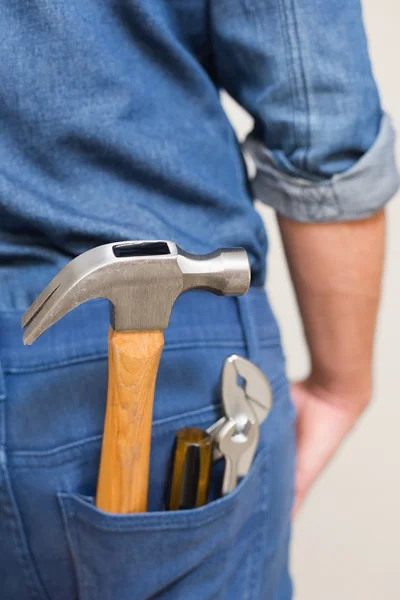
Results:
[57, 545]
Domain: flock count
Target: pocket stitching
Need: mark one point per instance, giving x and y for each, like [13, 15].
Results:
[197, 517]
[259, 504]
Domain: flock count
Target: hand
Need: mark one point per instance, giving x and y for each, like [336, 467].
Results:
[323, 420]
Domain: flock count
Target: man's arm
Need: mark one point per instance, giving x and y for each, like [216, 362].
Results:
[324, 156]
[336, 270]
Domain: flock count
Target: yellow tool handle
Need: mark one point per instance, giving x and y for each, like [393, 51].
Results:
[133, 359]
[191, 469]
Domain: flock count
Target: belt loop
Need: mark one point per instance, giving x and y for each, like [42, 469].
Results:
[249, 326]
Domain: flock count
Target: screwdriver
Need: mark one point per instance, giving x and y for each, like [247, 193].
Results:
[191, 469]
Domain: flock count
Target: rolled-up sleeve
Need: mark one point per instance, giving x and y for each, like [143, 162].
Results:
[322, 146]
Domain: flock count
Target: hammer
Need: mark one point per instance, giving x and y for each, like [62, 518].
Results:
[141, 280]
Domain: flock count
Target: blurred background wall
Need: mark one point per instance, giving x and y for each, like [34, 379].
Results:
[347, 537]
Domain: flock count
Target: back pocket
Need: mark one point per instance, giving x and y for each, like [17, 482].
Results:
[202, 554]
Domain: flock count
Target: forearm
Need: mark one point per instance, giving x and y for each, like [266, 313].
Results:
[336, 270]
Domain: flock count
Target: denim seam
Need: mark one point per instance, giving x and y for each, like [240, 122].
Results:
[249, 573]
[203, 414]
[2, 389]
[64, 517]
[260, 542]
[14, 521]
[253, 577]
[156, 524]
[296, 71]
[160, 427]
[3, 431]
[157, 521]
[266, 343]
[37, 590]
[104, 355]
[286, 44]
[304, 87]
[54, 451]
[249, 332]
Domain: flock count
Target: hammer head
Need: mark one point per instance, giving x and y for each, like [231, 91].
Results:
[142, 280]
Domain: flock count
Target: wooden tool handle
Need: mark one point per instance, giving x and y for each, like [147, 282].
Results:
[133, 359]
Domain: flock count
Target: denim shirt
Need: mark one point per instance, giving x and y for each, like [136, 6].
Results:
[112, 126]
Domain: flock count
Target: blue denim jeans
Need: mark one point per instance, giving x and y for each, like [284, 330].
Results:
[57, 545]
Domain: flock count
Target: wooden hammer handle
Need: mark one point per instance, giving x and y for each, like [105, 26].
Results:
[133, 359]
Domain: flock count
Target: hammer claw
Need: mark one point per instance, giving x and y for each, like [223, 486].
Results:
[32, 313]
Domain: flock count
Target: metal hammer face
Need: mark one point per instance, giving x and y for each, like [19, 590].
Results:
[142, 280]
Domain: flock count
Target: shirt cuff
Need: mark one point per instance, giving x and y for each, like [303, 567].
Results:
[354, 194]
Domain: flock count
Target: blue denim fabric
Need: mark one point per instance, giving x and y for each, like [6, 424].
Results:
[57, 545]
[112, 129]
[112, 126]
[344, 197]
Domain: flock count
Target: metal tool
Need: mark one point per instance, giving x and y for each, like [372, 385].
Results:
[245, 389]
[142, 280]
[191, 469]
[246, 396]
[233, 445]
[247, 401]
